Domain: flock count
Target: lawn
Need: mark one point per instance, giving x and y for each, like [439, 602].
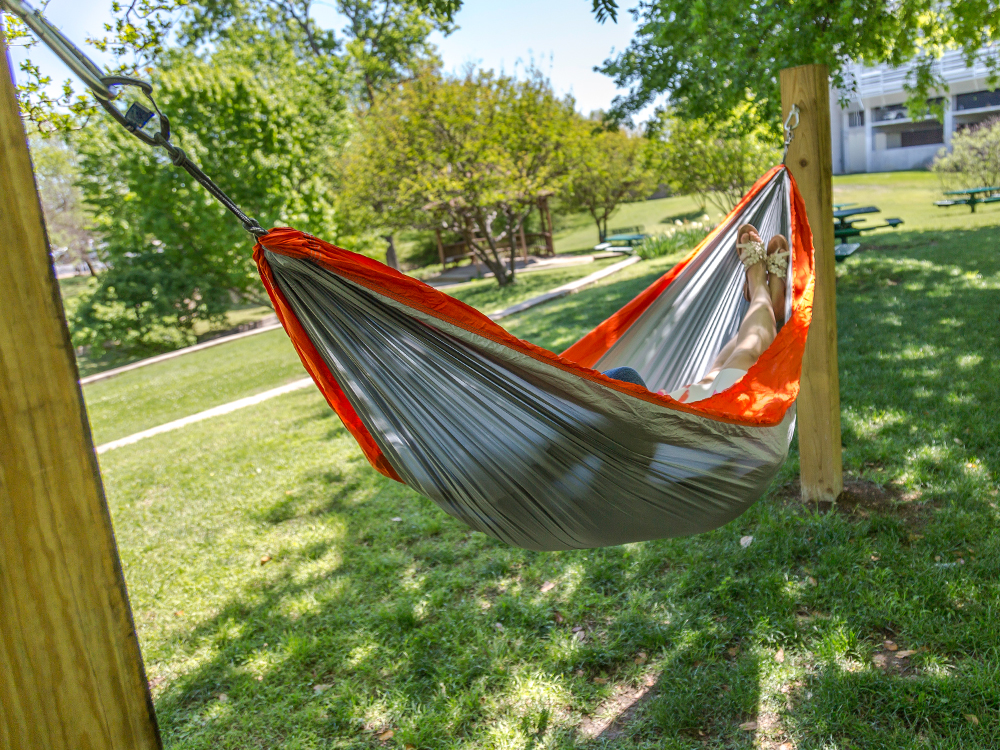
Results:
[578, 232]
[150, 396]
[286, 595]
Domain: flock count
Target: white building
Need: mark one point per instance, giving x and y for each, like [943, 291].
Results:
[873, 132]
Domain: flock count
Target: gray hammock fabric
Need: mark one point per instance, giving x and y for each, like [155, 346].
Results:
[522, 445]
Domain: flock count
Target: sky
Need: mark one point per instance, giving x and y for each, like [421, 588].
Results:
[560, 36]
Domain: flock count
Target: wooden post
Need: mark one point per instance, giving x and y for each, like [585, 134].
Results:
[810, 161]
[71, 674]
[437, 233]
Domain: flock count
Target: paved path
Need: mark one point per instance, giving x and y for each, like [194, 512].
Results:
[207, 414]
[570, 288]
[180, 352]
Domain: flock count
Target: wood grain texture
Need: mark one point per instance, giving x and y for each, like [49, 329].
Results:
[71, 674]
[810, 161]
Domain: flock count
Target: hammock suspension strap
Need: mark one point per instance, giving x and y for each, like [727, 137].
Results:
[107, 88]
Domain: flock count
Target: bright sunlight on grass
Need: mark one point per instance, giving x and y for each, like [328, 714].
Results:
[287, 595]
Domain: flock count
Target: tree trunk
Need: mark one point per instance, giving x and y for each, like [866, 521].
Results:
[390, 253]
[513, 243]
[543, 204]
[437, 233]
[494, 263]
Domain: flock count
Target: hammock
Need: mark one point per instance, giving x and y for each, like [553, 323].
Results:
[537, 449]
[541, 450]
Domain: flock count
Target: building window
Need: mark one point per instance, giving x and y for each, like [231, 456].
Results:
[855, 119]
[923, 136]
[898, 111]
[978, 99]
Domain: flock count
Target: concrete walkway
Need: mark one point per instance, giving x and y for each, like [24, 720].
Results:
[473, 272]
[207, 414]
[571, 288]
[269, 323]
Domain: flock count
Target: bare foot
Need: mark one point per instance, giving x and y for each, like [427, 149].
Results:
[777, 268]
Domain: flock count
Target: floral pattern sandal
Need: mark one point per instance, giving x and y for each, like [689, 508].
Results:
[750, 253]
[776, 264]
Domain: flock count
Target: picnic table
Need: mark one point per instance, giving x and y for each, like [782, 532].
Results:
[628, 236]
[970, 197]
[844, 227]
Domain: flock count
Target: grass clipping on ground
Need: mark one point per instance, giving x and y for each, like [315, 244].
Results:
[288, 596]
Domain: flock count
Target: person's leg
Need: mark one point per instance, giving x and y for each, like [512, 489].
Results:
[777, 276]
[758, 328]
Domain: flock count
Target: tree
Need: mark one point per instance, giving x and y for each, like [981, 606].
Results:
[67, 220]
[383, 41]
[716, 163]
[267, 127]
[707, 54]
[608, 168]
[467, 154]
[974, 160]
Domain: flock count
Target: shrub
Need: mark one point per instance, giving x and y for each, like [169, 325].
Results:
[974, 160]
[683, 235]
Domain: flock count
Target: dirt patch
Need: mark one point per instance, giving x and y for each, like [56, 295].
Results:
[864, 499]
[615, 714]
[893, 659]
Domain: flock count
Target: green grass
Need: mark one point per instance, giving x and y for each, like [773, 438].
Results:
[153, 395]
[377, 612]
[74, 285]
[909, 196]
[150, 396]
[578, 232]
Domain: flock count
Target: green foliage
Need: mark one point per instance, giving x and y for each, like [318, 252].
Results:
[267, 126]
[974, 160]
[467, 154]
[67, 220]
[608, 168]
[707, 54]
[383, 41]
[43, 111]
[684, 235]
[717, 163]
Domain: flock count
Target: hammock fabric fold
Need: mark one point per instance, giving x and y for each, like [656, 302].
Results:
[538, 449]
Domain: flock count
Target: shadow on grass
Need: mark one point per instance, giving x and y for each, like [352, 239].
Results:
[403, 621]
[684, 216]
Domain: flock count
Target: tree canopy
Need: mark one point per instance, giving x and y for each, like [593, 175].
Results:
[267, 127]
[608, 168]
[716, 162]
[467, 154]
[709, 56]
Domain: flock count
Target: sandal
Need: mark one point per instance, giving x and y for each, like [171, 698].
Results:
[750, 253]
[777, 262]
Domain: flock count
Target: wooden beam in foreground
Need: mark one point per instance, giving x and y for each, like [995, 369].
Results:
[71, 674]
[810, 161]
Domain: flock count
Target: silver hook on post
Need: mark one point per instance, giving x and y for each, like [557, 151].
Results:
[791, 122]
